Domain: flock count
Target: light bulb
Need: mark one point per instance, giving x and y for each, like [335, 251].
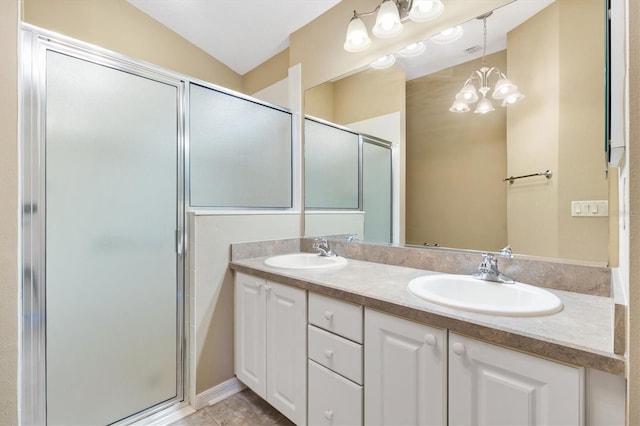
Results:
[383, 62]
[504, 87]
[425, 10]
[449, 35]
[387, 21]
[412, 50]
[459, 106]
[357, 38]
[512, 99]
[484, 106]
[469, 93]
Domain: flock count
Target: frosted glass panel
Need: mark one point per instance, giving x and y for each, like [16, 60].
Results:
[331, 167]
[111, 266]
[376, 192]
[240, 152]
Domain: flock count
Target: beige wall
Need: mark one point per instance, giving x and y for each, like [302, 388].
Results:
[267, 73]
[370, 93]
[455, 165]
[532, 134]
[9, 18]
[118, 26]
[319, 101]
[581, 131]
[560, 126]
[210, 239]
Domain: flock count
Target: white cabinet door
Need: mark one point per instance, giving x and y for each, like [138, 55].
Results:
[251, 333]
[491, 385]
[333, 400]
[271, 343]
[287, 350]
[405, 372]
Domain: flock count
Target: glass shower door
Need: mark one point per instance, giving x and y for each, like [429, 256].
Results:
[376, 191]
[112, 269]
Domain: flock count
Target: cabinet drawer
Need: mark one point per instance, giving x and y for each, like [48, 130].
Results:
[336, 316]
[333, 400]
[336, 353]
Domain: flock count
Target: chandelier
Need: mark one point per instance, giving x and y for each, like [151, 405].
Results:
[504, 89]
[388, 20]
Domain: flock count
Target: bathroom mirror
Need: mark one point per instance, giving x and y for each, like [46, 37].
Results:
[452, 182]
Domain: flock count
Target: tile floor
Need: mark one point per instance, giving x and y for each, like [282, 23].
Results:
[244, 408]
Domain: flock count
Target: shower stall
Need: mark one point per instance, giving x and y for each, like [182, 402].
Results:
[103, 233]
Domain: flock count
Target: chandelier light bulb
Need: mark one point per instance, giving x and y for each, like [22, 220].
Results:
[448, 36]
[459, 106]
[357, 38]
[383, 62]
[412, 50]
[512, 98]
[387, 21]
[469, 93]
[504, 87]
[425, 10]
[484, 106]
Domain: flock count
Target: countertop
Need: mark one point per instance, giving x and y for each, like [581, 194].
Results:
[581, 334]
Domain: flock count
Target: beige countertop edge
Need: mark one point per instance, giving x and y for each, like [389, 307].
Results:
[599, 360]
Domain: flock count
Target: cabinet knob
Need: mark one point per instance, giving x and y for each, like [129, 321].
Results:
[267, 288]
[458, 348]
[430, 339]
[328, 353]
[328, 315]
[328, 414]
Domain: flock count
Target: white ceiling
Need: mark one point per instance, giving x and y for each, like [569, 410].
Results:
[244, 34]
[241, 34]
[440, 56]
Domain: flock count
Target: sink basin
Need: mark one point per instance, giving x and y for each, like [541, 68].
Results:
[305, 261]
[470, 294]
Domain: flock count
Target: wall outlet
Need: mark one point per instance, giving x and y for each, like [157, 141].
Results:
[597, 208]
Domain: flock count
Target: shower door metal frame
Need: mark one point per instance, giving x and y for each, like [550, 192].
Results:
[35, 43]
[383, 143]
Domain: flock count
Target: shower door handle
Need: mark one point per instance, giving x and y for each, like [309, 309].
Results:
[179, 241]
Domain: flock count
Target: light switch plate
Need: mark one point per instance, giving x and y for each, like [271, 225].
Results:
[592, 208]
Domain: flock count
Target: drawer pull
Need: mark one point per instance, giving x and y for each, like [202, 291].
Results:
[328, 315]
[328, 353]
[328, 414]
[430, 339]
[458, 348]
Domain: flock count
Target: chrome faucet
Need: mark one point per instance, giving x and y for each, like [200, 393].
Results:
[323, 247]
[488, 270]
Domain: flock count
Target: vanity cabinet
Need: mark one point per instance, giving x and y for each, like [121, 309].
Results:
[492, 385]
[270, 343]
[335, 362]
[405, 372]
[330, 362]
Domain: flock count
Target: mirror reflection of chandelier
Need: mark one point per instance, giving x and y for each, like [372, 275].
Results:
[504, 89]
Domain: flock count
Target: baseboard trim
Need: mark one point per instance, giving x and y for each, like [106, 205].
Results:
[218, 393]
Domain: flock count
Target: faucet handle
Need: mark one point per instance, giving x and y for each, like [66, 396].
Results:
[489, 257]
[506, 252]
[320, 242]
[489, 262]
